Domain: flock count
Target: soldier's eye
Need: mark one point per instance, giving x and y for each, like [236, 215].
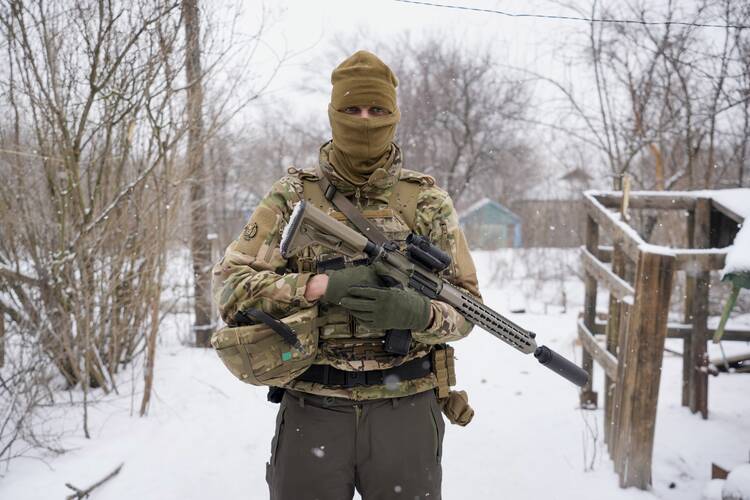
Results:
[379, 111]
[351, 110]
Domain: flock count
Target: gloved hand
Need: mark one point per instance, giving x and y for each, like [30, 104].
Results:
[388, 275]
[388, 308]
[339, 281]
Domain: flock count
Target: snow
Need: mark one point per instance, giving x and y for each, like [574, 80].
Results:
[737, 484]
[208, 435]
[737, 200]
[712, 490]
[738, 256]
[656, 249]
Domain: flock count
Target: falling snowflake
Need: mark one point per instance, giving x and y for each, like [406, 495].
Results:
[391, 382]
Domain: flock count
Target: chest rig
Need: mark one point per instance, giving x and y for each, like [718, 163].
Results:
[343, 340]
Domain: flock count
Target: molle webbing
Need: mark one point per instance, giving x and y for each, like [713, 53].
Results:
[330, 376]
[444, 369]
[403, 199]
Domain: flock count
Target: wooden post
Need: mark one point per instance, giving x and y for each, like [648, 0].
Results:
[617, 410]
[588, 397]
[612, 339]
[639, 369]
[2, 339]
[687, 356]
[697, 356]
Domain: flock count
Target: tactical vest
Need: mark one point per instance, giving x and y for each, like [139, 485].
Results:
[343, 341]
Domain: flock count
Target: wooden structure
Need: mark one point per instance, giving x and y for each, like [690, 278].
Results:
[639, 278]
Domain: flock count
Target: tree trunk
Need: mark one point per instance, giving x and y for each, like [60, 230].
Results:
[200, 247]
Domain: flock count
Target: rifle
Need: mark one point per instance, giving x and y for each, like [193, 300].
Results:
[418, 268]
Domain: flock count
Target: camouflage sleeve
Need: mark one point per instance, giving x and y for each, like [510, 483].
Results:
[252, 271]
[437, 219]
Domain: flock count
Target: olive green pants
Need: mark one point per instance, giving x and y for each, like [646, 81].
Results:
[324, 448]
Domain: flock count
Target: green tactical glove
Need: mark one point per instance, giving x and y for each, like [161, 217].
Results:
[389, 275]
[388, 308]
[339, 281]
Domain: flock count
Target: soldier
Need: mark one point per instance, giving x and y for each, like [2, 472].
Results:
[362, 416]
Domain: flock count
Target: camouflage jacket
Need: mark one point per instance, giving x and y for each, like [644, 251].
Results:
[253, 273]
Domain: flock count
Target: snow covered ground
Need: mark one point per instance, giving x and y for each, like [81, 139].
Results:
[208, 435]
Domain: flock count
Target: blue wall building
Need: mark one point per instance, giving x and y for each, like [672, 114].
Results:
[488, 225]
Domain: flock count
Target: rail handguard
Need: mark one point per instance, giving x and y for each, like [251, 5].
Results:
[418, 269]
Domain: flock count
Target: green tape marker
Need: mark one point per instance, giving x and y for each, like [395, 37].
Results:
[286, 356]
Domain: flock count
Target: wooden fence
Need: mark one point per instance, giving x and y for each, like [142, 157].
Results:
[639, 277]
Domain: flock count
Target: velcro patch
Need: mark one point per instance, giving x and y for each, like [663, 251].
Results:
[251, 229]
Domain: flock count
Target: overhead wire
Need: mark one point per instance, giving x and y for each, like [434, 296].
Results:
[576, 18]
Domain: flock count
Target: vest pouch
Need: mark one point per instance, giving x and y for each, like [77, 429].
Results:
[335, 323]
[257, 355]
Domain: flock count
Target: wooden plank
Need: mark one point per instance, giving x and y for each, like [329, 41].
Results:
[616, 285]
[688, 315]
[682, 331]
[606, 220]
[2, 339]
[698, 376]
[605, 359]
[588, 397]
[727, 211]
[704, 260]
[718, 472]
[666, 201]
[731, 362]
[639, 369]
[614, 327]
[605, 253]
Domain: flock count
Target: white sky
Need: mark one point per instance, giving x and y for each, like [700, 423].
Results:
[307, 28]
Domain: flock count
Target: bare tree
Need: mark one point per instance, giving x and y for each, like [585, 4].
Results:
[666, 94]
[200, 247]
[94, 118]
[463, 119]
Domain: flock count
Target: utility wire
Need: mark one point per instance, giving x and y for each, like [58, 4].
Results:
[574, 18]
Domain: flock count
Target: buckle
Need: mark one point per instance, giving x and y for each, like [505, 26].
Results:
[354, 379]
[330, 192]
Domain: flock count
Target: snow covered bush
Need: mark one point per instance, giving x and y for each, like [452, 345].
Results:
[737, 484]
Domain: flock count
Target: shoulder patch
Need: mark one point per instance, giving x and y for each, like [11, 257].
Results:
[433, 193]
[307, 174]
[416, 177]
[250, 230]
[288, 183]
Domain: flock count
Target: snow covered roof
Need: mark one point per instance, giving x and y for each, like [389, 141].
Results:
[738, 202]
[486, 202]
[735, 200]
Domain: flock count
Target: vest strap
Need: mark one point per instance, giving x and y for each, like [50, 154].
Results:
[347, 208]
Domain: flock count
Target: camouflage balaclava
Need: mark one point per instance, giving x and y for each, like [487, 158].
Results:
[362, 145]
